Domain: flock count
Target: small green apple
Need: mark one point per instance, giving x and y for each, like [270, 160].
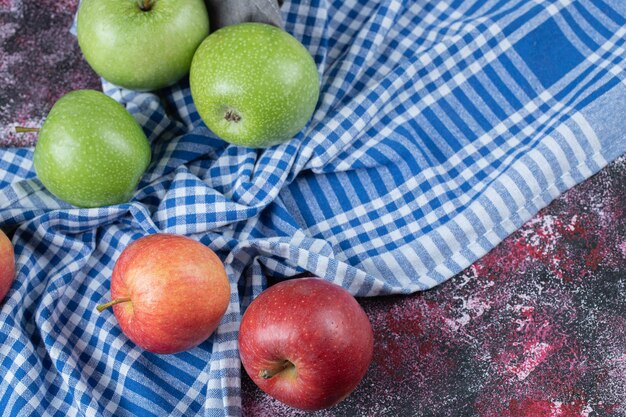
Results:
[91, 152]
[141, 44]
[253, 84]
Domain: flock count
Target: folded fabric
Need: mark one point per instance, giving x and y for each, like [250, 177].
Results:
[441, 127]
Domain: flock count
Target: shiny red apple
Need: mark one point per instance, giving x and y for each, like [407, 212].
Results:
[7, 265]
[306, 342]
[169, 292]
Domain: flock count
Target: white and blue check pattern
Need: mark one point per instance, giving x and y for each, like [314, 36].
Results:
[442, 126]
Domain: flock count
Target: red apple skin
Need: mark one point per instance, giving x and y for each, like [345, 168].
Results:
[178, 292]
[7, 265]
[317, 326]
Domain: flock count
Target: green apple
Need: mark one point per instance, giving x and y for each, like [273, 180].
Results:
[253, 84]
[141, 44]
[91, 152]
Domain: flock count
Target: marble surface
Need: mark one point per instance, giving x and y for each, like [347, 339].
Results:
[535, 328]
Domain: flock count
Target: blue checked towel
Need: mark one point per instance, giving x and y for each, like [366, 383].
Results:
[442, 126]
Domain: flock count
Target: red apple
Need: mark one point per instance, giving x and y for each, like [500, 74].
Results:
[306, 342]
[169, 292]
[7, 265]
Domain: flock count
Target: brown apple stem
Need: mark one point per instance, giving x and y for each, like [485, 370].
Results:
[103, 307]
[145, 5]
[24, 129]
[268, 373]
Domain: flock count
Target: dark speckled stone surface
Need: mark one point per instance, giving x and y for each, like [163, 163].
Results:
[537, 328]
[40, 61]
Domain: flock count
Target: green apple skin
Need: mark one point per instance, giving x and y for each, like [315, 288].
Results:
[141, 49]
[91, 152]
[254, 84]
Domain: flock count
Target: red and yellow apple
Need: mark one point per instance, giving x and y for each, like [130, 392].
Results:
[169, 292]
[306, 342]
[7, 265]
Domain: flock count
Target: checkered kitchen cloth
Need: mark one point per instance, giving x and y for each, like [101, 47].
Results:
[442, 126]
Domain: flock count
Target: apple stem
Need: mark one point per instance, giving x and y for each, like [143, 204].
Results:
[103, 307]
[145, 5]
[24, 129]
[268, 373]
